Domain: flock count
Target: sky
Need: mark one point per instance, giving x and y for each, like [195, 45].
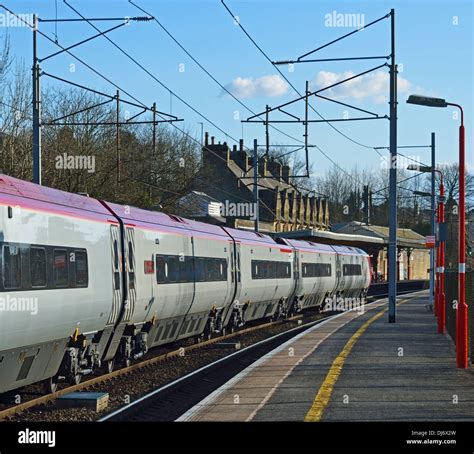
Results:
[434, 51]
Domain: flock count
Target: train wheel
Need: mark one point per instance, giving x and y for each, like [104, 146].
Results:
[51, 385]
[76, 379]
[109, 366]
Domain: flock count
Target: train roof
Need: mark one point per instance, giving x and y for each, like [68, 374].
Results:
[140, 217]
[250, 236]
[17, 192]
[308, 245]
[320, 247]
[349, 250]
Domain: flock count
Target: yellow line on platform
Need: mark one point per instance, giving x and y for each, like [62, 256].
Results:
[321, 400]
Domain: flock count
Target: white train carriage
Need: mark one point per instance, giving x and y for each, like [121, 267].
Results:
[181, 278]
[354, 272]
[316, 273]
[54, 292]
[85, 283]
[266, 274]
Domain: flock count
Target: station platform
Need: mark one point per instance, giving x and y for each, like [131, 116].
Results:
[352, 367]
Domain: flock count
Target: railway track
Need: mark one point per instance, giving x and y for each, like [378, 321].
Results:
[93, 381]
[172, 400]
[232, 363]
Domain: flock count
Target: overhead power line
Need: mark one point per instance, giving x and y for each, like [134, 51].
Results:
[206, 71]
[136, 62]
[287, 80]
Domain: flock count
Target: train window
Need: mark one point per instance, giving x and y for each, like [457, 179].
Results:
[131, 272]
[351, 270]
[183, 269]
[130, 255]
[198, 269]
[116, 257]
[254, 269]
[172, 268]
[82, 274]
[270, 269]
[316, 269]
[60, 268]
[38, 267]
[284, 270]
[11, 267]
[161, 271]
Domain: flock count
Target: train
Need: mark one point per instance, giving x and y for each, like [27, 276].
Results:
[87, 285]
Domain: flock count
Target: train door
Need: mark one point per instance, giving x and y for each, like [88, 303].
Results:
[294, 260]
[116, 274]
[339, 277]
[237, 273]
[129, 248]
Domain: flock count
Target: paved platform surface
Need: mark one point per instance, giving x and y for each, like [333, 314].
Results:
[353, 367]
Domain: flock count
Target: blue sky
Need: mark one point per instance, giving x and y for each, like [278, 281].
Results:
[436, 54]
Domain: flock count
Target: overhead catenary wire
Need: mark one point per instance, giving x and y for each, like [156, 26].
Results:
[289, 82]
[143, 68]
[206, 71]
[163, 85]
[296, 90]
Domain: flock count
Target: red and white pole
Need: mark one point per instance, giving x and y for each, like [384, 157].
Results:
[441, 294]
[437, 276]
[462, 309]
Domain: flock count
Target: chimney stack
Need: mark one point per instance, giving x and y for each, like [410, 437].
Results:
[262, 166]
[285, 173]
[274, 167]
[206, 139]
[241, 145]
[212, 140]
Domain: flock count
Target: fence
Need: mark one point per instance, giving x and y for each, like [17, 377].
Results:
[451, 291]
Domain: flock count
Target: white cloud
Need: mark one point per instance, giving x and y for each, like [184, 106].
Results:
[373, 86]
[248, 87]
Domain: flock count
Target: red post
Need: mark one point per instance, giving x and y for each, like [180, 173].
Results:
[436, 296]
[441, 295]
[462, 309]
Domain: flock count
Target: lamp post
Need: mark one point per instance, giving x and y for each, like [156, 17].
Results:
[433, 258]
[441, 297]
[462, 309]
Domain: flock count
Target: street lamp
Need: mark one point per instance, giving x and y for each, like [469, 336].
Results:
[462, 309]
[440, 297]
[430, 169]
[427, 169]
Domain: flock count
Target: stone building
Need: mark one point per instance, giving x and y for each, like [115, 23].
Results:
[227, 176]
